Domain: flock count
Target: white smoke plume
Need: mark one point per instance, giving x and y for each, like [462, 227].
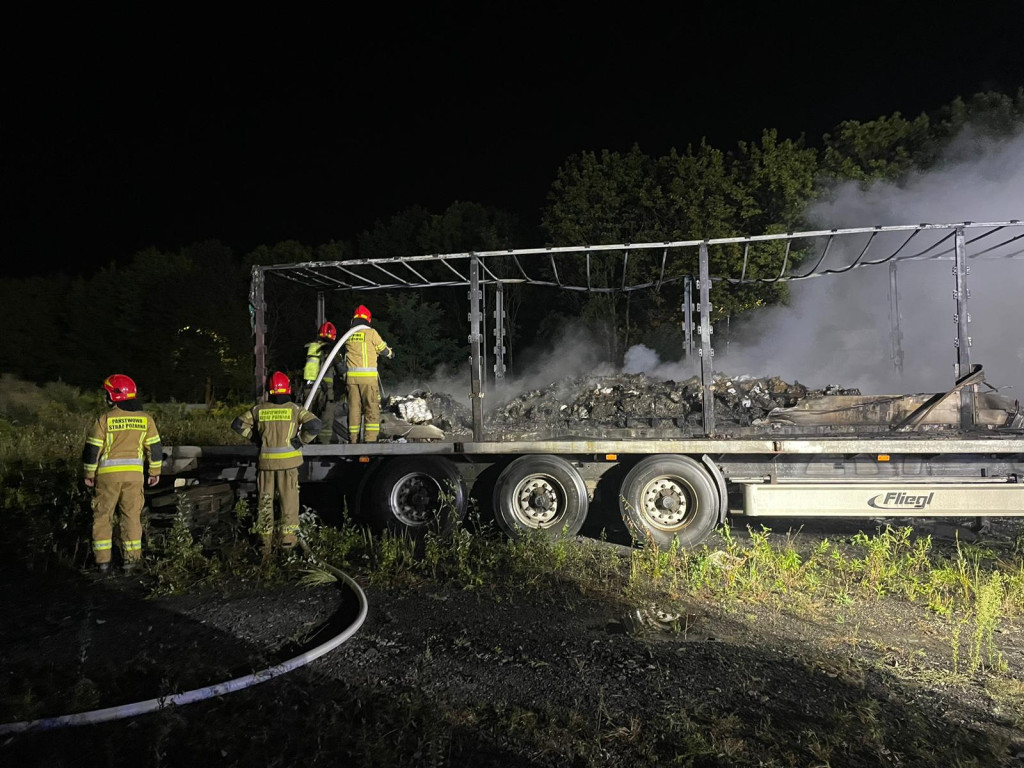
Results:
[836, 330]
[574, 352]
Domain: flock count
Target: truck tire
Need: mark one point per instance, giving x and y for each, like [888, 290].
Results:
[666, 499]
[413, 495]
[540, 493]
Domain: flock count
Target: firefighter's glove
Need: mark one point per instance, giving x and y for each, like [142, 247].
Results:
[391, 354]
[297, 443]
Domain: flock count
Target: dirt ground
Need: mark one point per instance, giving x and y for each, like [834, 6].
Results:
[490, 677]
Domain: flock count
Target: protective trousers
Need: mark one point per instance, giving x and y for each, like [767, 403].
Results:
[363, 406]
[122, 490]
[284, 485]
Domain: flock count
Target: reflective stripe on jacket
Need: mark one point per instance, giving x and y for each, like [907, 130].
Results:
[274, 426]
[361, 352]
[123, 441]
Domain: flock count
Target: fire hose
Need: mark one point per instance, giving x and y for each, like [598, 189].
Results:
[199, 694]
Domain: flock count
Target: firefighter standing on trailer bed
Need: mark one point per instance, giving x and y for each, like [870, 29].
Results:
[122, 442]
[361, 352]
[279, 427]
[326, 399]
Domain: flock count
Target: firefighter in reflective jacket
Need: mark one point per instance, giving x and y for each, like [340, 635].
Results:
[324, 403]
[122, 446]
[280, 428]
[361, 352]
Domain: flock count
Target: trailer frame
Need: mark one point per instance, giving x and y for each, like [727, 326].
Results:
[670, 490]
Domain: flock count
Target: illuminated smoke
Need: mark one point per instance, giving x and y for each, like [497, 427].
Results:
[837, 328]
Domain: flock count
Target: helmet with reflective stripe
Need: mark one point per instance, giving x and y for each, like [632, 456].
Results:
[328, 331]
[362, 313]
[280, 384]
[120, 388]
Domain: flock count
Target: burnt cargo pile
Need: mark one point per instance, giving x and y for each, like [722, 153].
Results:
[636, 405]
[623, 405]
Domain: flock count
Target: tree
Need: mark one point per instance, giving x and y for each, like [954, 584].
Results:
[699, 194]
[290, 314]
[212, 352]
[412, 327]
[462, 228]
[32, 344]
[879, 149]
[610, 198]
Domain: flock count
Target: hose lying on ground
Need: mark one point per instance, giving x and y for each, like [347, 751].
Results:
[199, 694]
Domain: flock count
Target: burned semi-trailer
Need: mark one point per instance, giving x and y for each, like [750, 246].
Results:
[675, 476]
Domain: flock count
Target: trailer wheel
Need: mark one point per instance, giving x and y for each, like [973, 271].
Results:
[414, 494]
[540, 493]
[669, 498]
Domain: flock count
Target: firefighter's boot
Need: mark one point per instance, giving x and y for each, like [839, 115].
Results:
[266, 547]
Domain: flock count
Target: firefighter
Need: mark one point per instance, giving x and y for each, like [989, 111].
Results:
[361, 352]
[280, 428]
[122, 447]
[327, 396]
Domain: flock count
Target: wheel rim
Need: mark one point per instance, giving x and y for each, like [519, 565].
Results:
[537, 501]
[665, 503]
[414, 499]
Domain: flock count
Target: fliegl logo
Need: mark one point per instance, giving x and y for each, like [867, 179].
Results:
[900, 500]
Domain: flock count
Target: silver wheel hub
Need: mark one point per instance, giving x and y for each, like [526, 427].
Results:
[536, 501]
[664, 502]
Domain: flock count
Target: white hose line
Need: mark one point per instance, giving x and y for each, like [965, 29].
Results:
[198, 694]
[327, 362]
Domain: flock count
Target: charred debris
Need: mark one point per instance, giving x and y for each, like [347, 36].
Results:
[637, 405]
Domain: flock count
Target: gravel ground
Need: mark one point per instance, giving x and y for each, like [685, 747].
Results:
[493, 676]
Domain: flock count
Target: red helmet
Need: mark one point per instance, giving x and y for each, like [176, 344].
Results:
[362, 313]
[328, 331]
[280, 384]
[119, 388]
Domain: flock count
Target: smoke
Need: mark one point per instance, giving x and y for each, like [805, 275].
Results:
[837, 328]
[574, 351]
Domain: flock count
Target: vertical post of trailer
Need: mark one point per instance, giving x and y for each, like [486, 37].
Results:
[895, 334]
[706, 351]
[962, 318]
[483, 335]
[257, 308]
[321, 316]
[476, 393]
[499, 332]
[688, 318]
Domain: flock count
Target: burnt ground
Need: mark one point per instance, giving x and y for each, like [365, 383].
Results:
[498, 676]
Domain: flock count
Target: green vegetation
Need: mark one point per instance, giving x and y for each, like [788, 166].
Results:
[183, 322]
[183, 326]
[964, 596]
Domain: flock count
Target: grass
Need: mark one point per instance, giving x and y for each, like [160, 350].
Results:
[966, 596]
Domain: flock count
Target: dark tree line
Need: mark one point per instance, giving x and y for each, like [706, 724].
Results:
[179, 322]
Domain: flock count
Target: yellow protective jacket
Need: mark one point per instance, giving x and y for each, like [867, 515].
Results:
[316, 354]
[279, 429]
[361, 352]
[123, 441]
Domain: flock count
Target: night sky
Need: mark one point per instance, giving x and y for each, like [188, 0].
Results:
[122, 133]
